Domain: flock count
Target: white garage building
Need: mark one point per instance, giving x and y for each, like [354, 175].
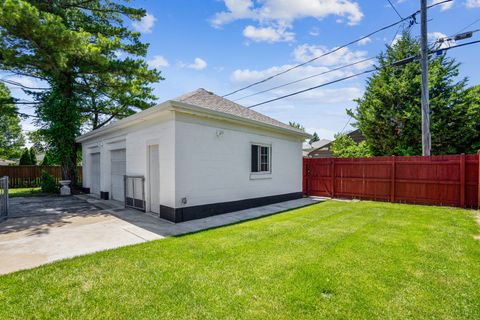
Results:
[192, 157]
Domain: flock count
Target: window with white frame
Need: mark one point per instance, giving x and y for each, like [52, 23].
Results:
[261, 158]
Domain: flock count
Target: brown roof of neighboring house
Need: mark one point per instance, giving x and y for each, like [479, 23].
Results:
[356, 136]
[317, 144]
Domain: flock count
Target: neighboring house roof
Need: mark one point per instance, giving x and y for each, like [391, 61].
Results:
[206, 102]
[316, 145]
[323, 151]
[4, 162]
[356, 136]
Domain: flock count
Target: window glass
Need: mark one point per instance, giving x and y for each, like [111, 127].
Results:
[260, 158]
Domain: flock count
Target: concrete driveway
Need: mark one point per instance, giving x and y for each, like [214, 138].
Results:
[44, 229]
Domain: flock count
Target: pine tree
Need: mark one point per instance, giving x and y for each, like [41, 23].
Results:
[296, 125]
[315, 138]
[11, 137]
[389, 113]
[33, 156]
[74, 46]
[25, 159]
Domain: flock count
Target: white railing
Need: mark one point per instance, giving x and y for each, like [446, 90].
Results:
[134, 192]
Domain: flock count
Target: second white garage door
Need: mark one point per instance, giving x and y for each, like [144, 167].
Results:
[118, 170]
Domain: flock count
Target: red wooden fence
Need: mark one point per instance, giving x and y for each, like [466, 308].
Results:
[29, 176]
[437, 180]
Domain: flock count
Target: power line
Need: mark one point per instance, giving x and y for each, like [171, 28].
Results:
[318, 74]
[396, 63]
[396, 11]
[468, 26]
[346, 124]
[312, 88]
[18, 84]
[320, 56]
[410, 17]
[306, 78]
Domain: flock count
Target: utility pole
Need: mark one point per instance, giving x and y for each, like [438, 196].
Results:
[426, 138]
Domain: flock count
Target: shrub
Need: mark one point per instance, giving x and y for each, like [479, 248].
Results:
[33, 157]
[25, 159]
[47, 183]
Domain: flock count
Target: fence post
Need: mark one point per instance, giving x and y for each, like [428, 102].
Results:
[6, 191]
[478, 181]
[304, 177]
[333, 177]
[392, 181]
[462, 180]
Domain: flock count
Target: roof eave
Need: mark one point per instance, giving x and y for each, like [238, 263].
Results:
[174, 104]
[123, 123]
[218, 114]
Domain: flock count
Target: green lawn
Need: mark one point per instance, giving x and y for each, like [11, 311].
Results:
[344, 260]
[24, 192]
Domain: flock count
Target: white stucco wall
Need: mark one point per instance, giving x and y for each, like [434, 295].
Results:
[136, 139]
[196, 162]
[212, 168]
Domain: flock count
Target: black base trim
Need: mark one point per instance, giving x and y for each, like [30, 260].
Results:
[167, 213]
[86, 190]
[208, 210]
[104, 195]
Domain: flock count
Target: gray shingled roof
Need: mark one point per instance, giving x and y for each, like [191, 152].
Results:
[208, 100]
[317, 144]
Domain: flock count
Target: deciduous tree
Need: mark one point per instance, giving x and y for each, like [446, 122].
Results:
[11, 137]
[345, 147]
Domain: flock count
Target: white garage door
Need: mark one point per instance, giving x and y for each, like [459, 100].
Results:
[95, 174]
[118, 170]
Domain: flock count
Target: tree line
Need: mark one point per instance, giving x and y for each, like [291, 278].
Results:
[389, 113]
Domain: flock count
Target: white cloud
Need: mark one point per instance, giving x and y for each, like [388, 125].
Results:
[435, 36]
[158, 62]
[323, 133]
[444, 6]
[473, 3]
[344, 92]
[314, 32]
[307, 52]
[364, 41]
[268, 34]
[198, 64]
[146, 24]
[279, 15]
[396, 39]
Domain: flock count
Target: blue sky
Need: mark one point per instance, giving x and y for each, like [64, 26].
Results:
[223, 45]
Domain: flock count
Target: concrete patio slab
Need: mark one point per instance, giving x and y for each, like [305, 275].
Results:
[45, 229]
